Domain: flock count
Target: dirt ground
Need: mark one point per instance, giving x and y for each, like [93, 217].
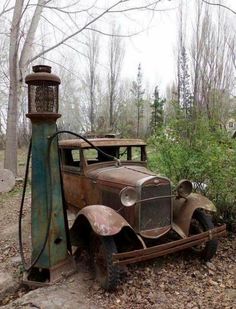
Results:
[177, 281]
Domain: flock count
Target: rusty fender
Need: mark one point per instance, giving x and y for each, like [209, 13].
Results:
[103, 220]
[183, 210]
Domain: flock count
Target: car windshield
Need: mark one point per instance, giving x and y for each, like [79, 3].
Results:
[127, 153]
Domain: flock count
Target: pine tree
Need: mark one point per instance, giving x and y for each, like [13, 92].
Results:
[138, 92]
[157, 111]
[185, 95]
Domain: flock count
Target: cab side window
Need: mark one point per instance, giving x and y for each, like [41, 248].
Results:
[71, 159]
[75, 153]
[91, 155]
[136, 153]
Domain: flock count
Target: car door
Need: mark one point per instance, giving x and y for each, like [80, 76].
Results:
[73, 178]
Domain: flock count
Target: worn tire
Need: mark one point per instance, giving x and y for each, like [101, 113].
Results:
[200, 223]
[101, 250]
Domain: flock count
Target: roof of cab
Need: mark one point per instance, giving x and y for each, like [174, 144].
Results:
[100, 142]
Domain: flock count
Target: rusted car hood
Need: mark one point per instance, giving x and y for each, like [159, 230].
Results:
[126, 175]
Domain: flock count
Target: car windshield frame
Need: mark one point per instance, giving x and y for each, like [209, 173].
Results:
[130, 153]
[118, 148]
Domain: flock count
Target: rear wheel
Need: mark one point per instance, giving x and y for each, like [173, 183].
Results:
[101, 250]
[200, 223]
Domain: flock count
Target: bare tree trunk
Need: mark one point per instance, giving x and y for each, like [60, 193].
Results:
[10, 160]
[196, 54]
[16, 75]
[26, 52]
[91, 75]
[116, 55]
[92, 102]
[213, 65]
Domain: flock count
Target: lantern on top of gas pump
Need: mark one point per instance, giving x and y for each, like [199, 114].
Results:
[42, 90]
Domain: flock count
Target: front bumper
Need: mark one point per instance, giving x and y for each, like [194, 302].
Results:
[170, 247]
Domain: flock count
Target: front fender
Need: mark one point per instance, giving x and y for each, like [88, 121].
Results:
[103, 220]
[183, 210]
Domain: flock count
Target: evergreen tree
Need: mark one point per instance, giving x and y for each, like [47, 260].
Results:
[138, 92]
[185, 95]
[157, 111]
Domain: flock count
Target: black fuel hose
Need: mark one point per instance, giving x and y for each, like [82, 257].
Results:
[50, 139]
[21, 209]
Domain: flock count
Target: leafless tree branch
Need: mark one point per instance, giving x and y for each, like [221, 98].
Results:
[60, 30]
[150, 6]
[117, 35]
[76, 50]
[220, 5]
[62, 66]
[78, 31]
[62, 10]
[6, 10]
[231, 48]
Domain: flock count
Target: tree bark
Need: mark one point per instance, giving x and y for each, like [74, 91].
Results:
[10, 160]
[116, 55]
[17, 71]
[26, 53]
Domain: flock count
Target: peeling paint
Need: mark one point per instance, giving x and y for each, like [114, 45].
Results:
[104, 220]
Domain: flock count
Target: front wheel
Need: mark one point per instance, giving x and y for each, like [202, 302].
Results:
[201, 223]
[101, 250]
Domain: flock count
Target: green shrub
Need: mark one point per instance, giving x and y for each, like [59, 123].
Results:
[196, 152]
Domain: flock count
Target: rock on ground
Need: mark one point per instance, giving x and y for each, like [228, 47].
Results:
[66, 295]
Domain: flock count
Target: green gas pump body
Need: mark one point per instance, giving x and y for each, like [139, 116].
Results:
[47, 201]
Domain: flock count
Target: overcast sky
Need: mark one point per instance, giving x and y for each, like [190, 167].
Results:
[155, 49]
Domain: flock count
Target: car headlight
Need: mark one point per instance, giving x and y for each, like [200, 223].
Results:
[184, 188]
[128, 196]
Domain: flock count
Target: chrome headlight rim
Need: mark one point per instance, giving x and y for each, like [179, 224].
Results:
[128, 196]
[184, 188]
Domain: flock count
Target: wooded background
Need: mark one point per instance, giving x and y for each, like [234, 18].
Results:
[189, 126]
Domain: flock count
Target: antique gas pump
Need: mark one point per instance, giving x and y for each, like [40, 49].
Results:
[50, 256]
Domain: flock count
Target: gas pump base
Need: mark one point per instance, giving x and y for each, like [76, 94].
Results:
[40, 277]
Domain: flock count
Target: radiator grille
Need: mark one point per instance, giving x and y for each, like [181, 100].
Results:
[155, 213]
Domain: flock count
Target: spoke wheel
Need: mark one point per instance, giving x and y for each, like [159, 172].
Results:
[200, 223]
[101, 250]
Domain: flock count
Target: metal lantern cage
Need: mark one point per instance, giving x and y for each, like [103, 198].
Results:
[42, 90]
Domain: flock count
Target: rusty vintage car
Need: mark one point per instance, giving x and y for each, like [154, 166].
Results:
[125, 213]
